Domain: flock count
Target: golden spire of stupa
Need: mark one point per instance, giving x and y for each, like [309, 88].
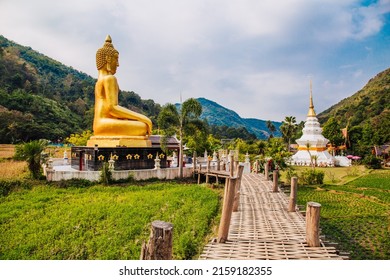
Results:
[311, 112]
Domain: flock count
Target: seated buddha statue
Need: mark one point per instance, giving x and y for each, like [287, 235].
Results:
[112, 121]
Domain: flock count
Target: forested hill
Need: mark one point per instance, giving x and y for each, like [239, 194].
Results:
[42, 98]
[367, 112]
[217, 115]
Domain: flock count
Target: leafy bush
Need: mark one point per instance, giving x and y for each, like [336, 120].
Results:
[372, 162]
[105, 174]
[290, 172]
[74, 183]
[79, 139]
[312, 177]
[31, 152]
[187, 247]
[7, 186]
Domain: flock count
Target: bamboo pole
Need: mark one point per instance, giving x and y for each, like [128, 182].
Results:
[275, 181]
[231, 166]
[199, 171]
[313, 224]
[194, 163]
[236, 202]
[266, 175]
[208, 170]
[293, 195]
[159, 246]
[227, 207]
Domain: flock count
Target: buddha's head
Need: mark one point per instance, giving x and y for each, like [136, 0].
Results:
[107, 56]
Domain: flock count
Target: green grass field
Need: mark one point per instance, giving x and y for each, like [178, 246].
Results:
[356, 214]
[41, 221]
[100, 222]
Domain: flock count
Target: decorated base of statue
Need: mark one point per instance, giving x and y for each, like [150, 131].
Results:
[125, 158]
[121, 141]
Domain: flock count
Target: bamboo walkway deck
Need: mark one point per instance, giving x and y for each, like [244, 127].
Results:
[262, 229]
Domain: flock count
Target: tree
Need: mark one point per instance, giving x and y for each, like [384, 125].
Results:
[332, 131]
[288, 129]
[277, 151]
[261, 147]
[299, 130]
[271, 128]
[31, 152]
[79, 139]
[183, 121]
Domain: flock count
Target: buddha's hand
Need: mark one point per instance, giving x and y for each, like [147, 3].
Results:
[149, 125]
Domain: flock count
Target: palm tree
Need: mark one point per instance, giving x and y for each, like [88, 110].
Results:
[31, 152]
[182, 122]
[271, 128]
[288, 129]
[261, 146]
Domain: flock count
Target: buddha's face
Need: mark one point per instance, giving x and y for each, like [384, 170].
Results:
[113, 62]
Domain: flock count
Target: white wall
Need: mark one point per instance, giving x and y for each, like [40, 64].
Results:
[165, 173]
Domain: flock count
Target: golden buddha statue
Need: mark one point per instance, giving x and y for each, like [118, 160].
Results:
[114, 125]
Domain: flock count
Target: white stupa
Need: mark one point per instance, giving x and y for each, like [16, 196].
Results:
[312, 144]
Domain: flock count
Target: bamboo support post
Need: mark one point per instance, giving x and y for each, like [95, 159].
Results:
[227, 207]
[218, 165]
[313, 224]
[236, 202]
[159, 246]
[275, 181]
[266, 171]
[207, 171]
[199, 171]
[293, 195]
[231, 166]
[194, 163]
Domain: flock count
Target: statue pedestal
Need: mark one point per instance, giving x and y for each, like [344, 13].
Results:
[124, 158]
[119, 141]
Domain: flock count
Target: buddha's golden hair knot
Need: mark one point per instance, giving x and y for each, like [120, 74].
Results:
[107, 50]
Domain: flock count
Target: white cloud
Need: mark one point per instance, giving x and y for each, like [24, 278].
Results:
[248, 55]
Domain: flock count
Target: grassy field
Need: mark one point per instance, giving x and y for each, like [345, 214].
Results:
[355, 214]
[10, 169]
[6, 151]
[335, 175]
[41, 221]
[103, 222]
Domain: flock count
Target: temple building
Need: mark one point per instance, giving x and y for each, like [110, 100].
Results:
[312, 147]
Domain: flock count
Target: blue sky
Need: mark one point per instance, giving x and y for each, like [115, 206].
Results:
[254, 57]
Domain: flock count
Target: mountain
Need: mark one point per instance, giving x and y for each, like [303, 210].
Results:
[42, 98]
[365, 112]
[218, 115]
